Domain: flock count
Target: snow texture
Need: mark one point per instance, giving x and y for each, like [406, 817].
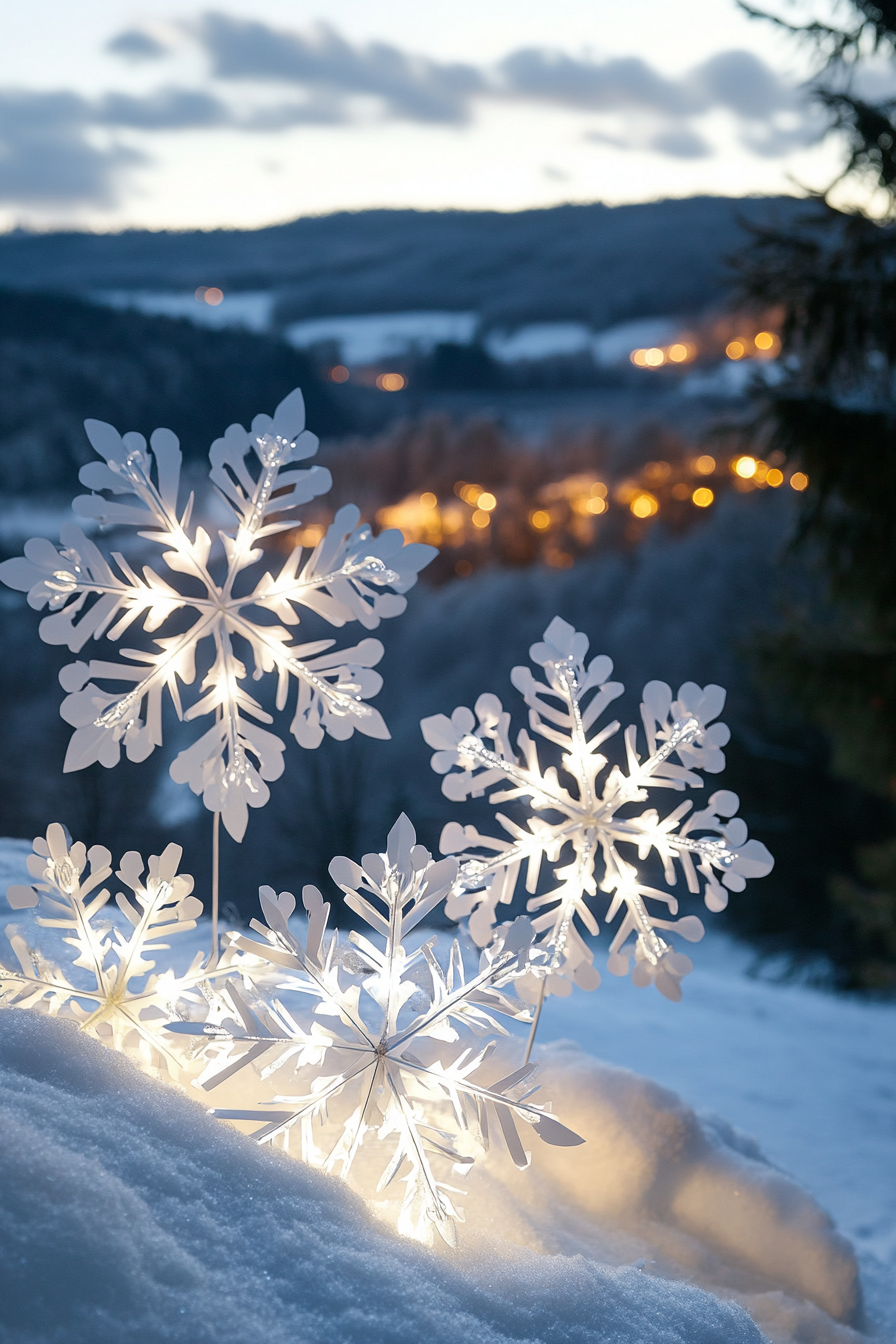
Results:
[137, 1219]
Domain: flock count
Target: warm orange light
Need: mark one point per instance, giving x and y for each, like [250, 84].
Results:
[703, 497]
[468, 493]
[764, 340]
[213, 296]
[745, 467]
[735, 349]
[681, 490]
[481, 518]
[654, 357]
[599, 489]
[644, 505]
[774, 477]
[428, 499]
[799, 480]
[595, 505]
[487, 501]
[311, 535]
[391, 382]
[638, 357]
[339, 374]
[540, 519]
[678, 353]
[705, 465]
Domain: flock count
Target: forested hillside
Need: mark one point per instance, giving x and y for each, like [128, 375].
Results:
[591, 263]
[62, 359]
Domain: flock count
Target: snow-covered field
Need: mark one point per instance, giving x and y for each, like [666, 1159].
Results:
[128, 1216]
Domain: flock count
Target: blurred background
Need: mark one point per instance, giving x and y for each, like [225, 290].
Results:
[599, 300]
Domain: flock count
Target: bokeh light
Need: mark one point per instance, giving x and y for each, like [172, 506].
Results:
[339, 374]
[391, 382]
[799, 480]
[644, 505]
[745, 467]
[705, 465]
[703, 497]
[540, 520]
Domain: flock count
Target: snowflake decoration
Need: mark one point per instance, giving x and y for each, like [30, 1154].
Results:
[118, 1011]
[593, 821]
[343, 579]
[383, 1043]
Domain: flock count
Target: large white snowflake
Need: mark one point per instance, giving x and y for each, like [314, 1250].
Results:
[597, 824]
[116, 998]
[391, 1045]
[344, 578]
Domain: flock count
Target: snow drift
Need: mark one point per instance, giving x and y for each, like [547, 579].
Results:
[130, 1217]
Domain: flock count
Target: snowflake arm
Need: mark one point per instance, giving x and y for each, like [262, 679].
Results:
[348, 576]
[383, 1045]
[591, 819]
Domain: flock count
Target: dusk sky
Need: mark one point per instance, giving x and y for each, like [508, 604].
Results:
[172, 114]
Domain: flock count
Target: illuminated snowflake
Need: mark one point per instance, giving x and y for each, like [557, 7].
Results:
[385, 1048]
[594, 820]
[105, 1000]
[343, 579]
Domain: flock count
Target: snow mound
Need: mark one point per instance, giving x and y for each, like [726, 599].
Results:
[699, 1198]
[131, 1217]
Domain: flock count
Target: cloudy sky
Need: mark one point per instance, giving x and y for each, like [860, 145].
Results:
[175, 114]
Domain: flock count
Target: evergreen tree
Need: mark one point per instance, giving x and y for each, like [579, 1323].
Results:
[832, 273]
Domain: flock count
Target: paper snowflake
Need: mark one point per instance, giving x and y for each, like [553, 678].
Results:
[597, 825]
[116, 998]
[385, 1048]
[343, 579]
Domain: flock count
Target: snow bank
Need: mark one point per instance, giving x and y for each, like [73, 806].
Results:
[698, 1197]
[130, 1217]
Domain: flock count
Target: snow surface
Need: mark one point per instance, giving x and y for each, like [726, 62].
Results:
[103, 1162]
[129, 1216]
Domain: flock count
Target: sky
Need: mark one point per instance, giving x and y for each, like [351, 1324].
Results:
[172, 114]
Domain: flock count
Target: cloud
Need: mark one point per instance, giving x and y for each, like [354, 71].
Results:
[46, 157]
[410, 87]
[333, 71]
[680, 142]
[136, 45]
[168, 109]
[552, 77]
[50, 152]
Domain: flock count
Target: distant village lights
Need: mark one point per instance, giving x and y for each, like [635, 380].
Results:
[655, 356]
[644, 505]
[209, 294]
[703, 497]
[339, 374]
[391, 382]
